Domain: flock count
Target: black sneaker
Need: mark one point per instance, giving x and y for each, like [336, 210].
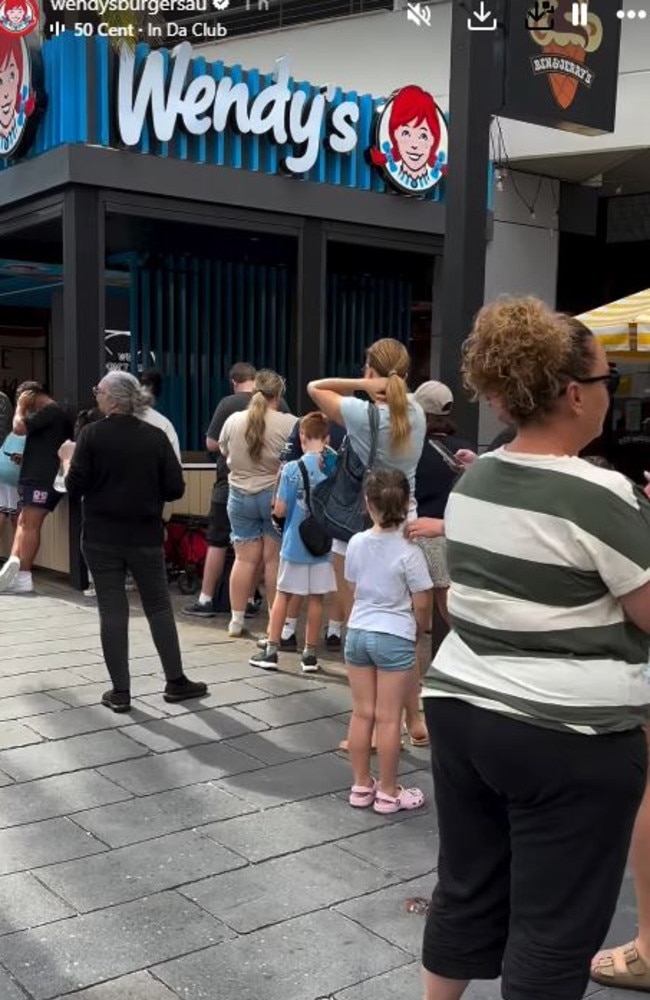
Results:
[198, 610]
[183, 689]
[252, 608]
[117, 701]
[267, 661]
[309, 664]
[289, 645]
[333, 642]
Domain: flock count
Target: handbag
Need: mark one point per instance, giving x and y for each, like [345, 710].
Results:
[338, 503]
[315, 538]
[13, 444]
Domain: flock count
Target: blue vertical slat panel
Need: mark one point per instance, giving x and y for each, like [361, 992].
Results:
[194, 366]
[234, 142]
[180, 142]
[364, 170]
[200, 142]
[269, 150]
[163, 148]
[252, 142]
[102, 91]
[334, 160]
[141, 52]
[217, 139]
[350, 165]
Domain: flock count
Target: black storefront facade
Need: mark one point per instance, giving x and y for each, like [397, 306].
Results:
[138, 228]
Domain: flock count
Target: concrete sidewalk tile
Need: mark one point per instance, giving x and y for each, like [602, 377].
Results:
[409, 849]
[302, 959]
[305, 739]
[156, 815]
[91, 719]
[37, 844]
[218, 696]
[219, 671]
[26, 705]
[12, 666]
[268, 893]
[61, 795]
[25, 902]
[83, 695]
[96, 673]
[299, 779]
[69, 644]
[8, 988]
[384, 914]
[15, 734]
[54, 632]
[279, 684]
[396, 985]
[86, 950]
[207, 762]
[287, 828]
[36, 683]
[72, 754]
[137, 986]
[193, 728]
[138, 870]
[300, 707]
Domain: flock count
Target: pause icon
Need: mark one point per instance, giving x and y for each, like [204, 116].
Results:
[580, 14]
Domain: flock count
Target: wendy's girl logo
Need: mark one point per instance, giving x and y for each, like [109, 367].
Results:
[18, 17]
[411, 141]
[17, 98]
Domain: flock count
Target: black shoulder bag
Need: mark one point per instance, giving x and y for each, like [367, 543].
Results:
[314, 537]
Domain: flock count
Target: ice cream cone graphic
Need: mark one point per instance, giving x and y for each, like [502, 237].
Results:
[571, 44]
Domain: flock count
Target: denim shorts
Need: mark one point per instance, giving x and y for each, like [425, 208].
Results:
[378, 649]
[250, 515]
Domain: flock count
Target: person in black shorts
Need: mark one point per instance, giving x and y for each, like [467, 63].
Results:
[46, 426]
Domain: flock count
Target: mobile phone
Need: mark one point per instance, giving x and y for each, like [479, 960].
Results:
[447, 456]
[13, 455]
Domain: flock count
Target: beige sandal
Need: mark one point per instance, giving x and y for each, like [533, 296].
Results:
[635, 975]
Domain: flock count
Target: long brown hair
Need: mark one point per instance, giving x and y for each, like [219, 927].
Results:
[390, 359]
[268, 386]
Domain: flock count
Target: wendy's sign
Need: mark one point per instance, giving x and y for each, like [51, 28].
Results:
[411, 141]
[20, 98]
[563, 70]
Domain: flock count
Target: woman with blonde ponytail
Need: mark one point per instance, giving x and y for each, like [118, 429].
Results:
[400, 438]
[252, 441]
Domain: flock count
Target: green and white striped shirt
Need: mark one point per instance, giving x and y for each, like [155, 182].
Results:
[540, 550]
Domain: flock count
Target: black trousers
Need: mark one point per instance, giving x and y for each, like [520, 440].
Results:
[108, 566]
[535, 826]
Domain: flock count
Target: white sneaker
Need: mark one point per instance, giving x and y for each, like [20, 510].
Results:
[235, 630]
[8, 573]
[91, 592]
[19, 586]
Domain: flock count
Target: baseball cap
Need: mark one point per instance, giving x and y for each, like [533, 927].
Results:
[435, 397]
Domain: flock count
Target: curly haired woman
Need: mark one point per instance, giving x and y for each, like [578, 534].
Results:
[536, 699]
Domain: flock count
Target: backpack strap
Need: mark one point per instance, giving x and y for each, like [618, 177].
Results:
[305, 480]
[373, 421]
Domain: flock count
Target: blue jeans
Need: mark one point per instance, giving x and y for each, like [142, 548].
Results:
[250, 515]
[378, 649]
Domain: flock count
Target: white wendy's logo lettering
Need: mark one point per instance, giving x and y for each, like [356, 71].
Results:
[204, 103]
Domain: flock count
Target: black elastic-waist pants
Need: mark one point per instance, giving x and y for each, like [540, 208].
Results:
[108, 566]
[535, 826]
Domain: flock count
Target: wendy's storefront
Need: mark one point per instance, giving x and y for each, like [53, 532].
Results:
[158, 209]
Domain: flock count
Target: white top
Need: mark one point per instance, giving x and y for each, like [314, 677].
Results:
[151, 416]
[386, 570]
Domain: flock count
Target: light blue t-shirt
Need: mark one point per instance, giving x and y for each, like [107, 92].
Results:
[291, 491]
[355, 417]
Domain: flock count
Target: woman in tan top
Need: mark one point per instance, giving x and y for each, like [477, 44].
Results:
[252, 442]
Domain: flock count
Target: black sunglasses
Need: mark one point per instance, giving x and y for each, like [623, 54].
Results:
[612, 380]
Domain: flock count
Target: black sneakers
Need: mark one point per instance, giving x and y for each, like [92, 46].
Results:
[265, 660]
[309, 664]
[183, 689]
[198, 610]
[117, 701]
[333, 642]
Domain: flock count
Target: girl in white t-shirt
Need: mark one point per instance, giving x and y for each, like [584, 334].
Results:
[391, 590]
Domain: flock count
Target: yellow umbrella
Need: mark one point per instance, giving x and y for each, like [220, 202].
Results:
[616, 324]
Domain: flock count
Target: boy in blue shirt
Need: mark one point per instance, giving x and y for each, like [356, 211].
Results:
[300, 572]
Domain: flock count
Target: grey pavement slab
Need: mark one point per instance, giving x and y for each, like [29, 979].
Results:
[218, 696]
[15, 734]
[287, 828]
[299, 779]
[384, 913]
[12, 666]
[409, 849]
[207, 762]
[280, 683]
[38, 681]
[37, 844]
[400, 984]
[93, 718]
[137, 986]
[26, 705]
[8, 988]
[60, 795]
[220, 670]
[40, 644]
[25, 902]
[300, 707]
[303, 959]
[305, 739]
[84, 951]
[54, 632]
[287, 887]
[72, 754]
[156, 815]
[139, 870]
[193, 728]
[89, 693]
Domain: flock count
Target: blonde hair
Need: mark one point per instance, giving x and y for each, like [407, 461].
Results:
[267, 387]
[390, 359]
[524, 354]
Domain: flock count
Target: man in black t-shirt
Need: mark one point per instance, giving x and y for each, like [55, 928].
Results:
[46, 427]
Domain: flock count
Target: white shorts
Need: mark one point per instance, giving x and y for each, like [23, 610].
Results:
[8, 499]
[339, 548]
[306, 578]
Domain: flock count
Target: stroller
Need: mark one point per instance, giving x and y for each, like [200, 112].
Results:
[185, 550]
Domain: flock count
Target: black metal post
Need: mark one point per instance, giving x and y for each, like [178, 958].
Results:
[82, 323]
[309, 349]
[474, 81]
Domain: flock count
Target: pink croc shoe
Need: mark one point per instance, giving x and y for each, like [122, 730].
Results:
[406, 798]
[362, 797]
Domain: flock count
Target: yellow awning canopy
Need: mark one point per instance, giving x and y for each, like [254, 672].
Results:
[622, 325]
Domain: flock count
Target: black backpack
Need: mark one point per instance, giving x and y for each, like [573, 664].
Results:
[314, 537]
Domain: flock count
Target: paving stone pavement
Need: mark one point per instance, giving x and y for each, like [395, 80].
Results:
[203, 851]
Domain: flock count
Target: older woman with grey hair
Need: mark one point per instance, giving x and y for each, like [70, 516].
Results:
[126, 470]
